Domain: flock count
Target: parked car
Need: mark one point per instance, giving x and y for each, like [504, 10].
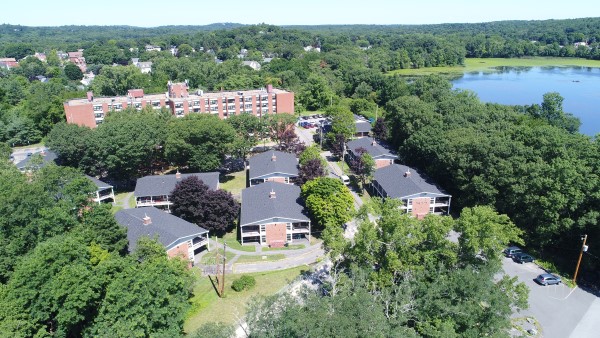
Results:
[29, 154]
[522, 257]
[547, 279]
[511, 251]
[345, 179]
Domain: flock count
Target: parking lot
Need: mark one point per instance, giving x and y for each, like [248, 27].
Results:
[561, 311]
[312, 121]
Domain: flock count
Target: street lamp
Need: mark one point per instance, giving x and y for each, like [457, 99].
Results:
[584, 248]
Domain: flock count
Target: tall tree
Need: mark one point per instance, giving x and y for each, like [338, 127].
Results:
[363, 166]
[199, 142]
[196, 203]
[310, 170]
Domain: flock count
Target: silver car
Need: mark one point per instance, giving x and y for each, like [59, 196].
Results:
[547, 279]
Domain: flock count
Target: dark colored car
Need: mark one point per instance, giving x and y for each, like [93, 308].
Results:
[547, 279]
[511, 251]
[522, 258]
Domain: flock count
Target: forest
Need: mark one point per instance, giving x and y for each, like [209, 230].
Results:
[524, 170]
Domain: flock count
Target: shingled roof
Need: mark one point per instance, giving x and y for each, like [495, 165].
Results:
[397, 184]
[48, 156]
[273, 162]
[362, 126]
[373, 148]
[159, 185]
[258, 204]
[168, 228]
[99, 184]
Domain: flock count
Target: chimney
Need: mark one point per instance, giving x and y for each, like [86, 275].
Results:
[273, 158]
[178, 175]
[147, 220]
[90, 96]
[373, 143]
[269, 88]
[272, 194]
[407, 173]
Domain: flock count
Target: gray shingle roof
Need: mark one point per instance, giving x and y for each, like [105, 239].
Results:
[99, 184]
[397, 185]
[167, 227]
[159, 185]
[374, 150]
[257, 204]
[262, 164]
[49, 157]
[362, 126]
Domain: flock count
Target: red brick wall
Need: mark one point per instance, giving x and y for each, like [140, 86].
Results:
[285, 103]
[420, 207]
[180, 250]
[382, 163]
[82, 115]
[276, 179]
[276, 233]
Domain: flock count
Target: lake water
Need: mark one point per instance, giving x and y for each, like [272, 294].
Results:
[579, 86]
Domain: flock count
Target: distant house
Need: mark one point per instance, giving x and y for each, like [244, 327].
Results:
[180, 238]
[8, 63]
[152, 48]
[78, 59]
[144, 67]
[40, 56]
[419, 195]
[274, 166]
[363, 128]
[272, 215]
[252, 64]
[104, 191]
[382, 156]
[87, 79]
[154, 191]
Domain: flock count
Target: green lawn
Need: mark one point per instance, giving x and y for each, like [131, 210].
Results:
[234, 182]
[483, 65]
[308, 113]
[253, 259]
[210, 257]
[120, 201]
[230, 239]
[208, 307]
[288, 247]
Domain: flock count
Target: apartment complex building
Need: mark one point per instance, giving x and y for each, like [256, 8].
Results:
[91, 111]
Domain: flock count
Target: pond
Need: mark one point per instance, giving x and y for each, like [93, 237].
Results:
[579, 86]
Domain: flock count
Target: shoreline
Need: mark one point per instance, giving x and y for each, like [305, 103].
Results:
[490, 65]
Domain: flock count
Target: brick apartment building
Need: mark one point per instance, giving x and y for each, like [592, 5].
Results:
[91, 111]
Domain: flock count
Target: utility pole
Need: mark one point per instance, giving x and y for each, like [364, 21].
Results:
[583, 249]
[223, 276]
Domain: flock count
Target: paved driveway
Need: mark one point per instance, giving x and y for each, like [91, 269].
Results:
[561, 311]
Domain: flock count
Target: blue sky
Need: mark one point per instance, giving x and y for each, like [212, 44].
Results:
[150, 13]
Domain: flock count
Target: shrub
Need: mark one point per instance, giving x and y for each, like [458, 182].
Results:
[243, 283]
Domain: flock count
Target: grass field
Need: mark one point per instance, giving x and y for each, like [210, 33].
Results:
[210, 257]
[288, 247]
[488, 65]
[254, 259]
[230, 239]
[208, 307]
[234, 182]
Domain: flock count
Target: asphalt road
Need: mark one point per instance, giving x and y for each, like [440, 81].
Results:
[561, 311]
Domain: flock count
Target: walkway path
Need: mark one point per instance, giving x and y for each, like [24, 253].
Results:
[124, 202]
[293, 258]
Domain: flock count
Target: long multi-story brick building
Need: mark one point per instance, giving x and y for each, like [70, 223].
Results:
[91, 111]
